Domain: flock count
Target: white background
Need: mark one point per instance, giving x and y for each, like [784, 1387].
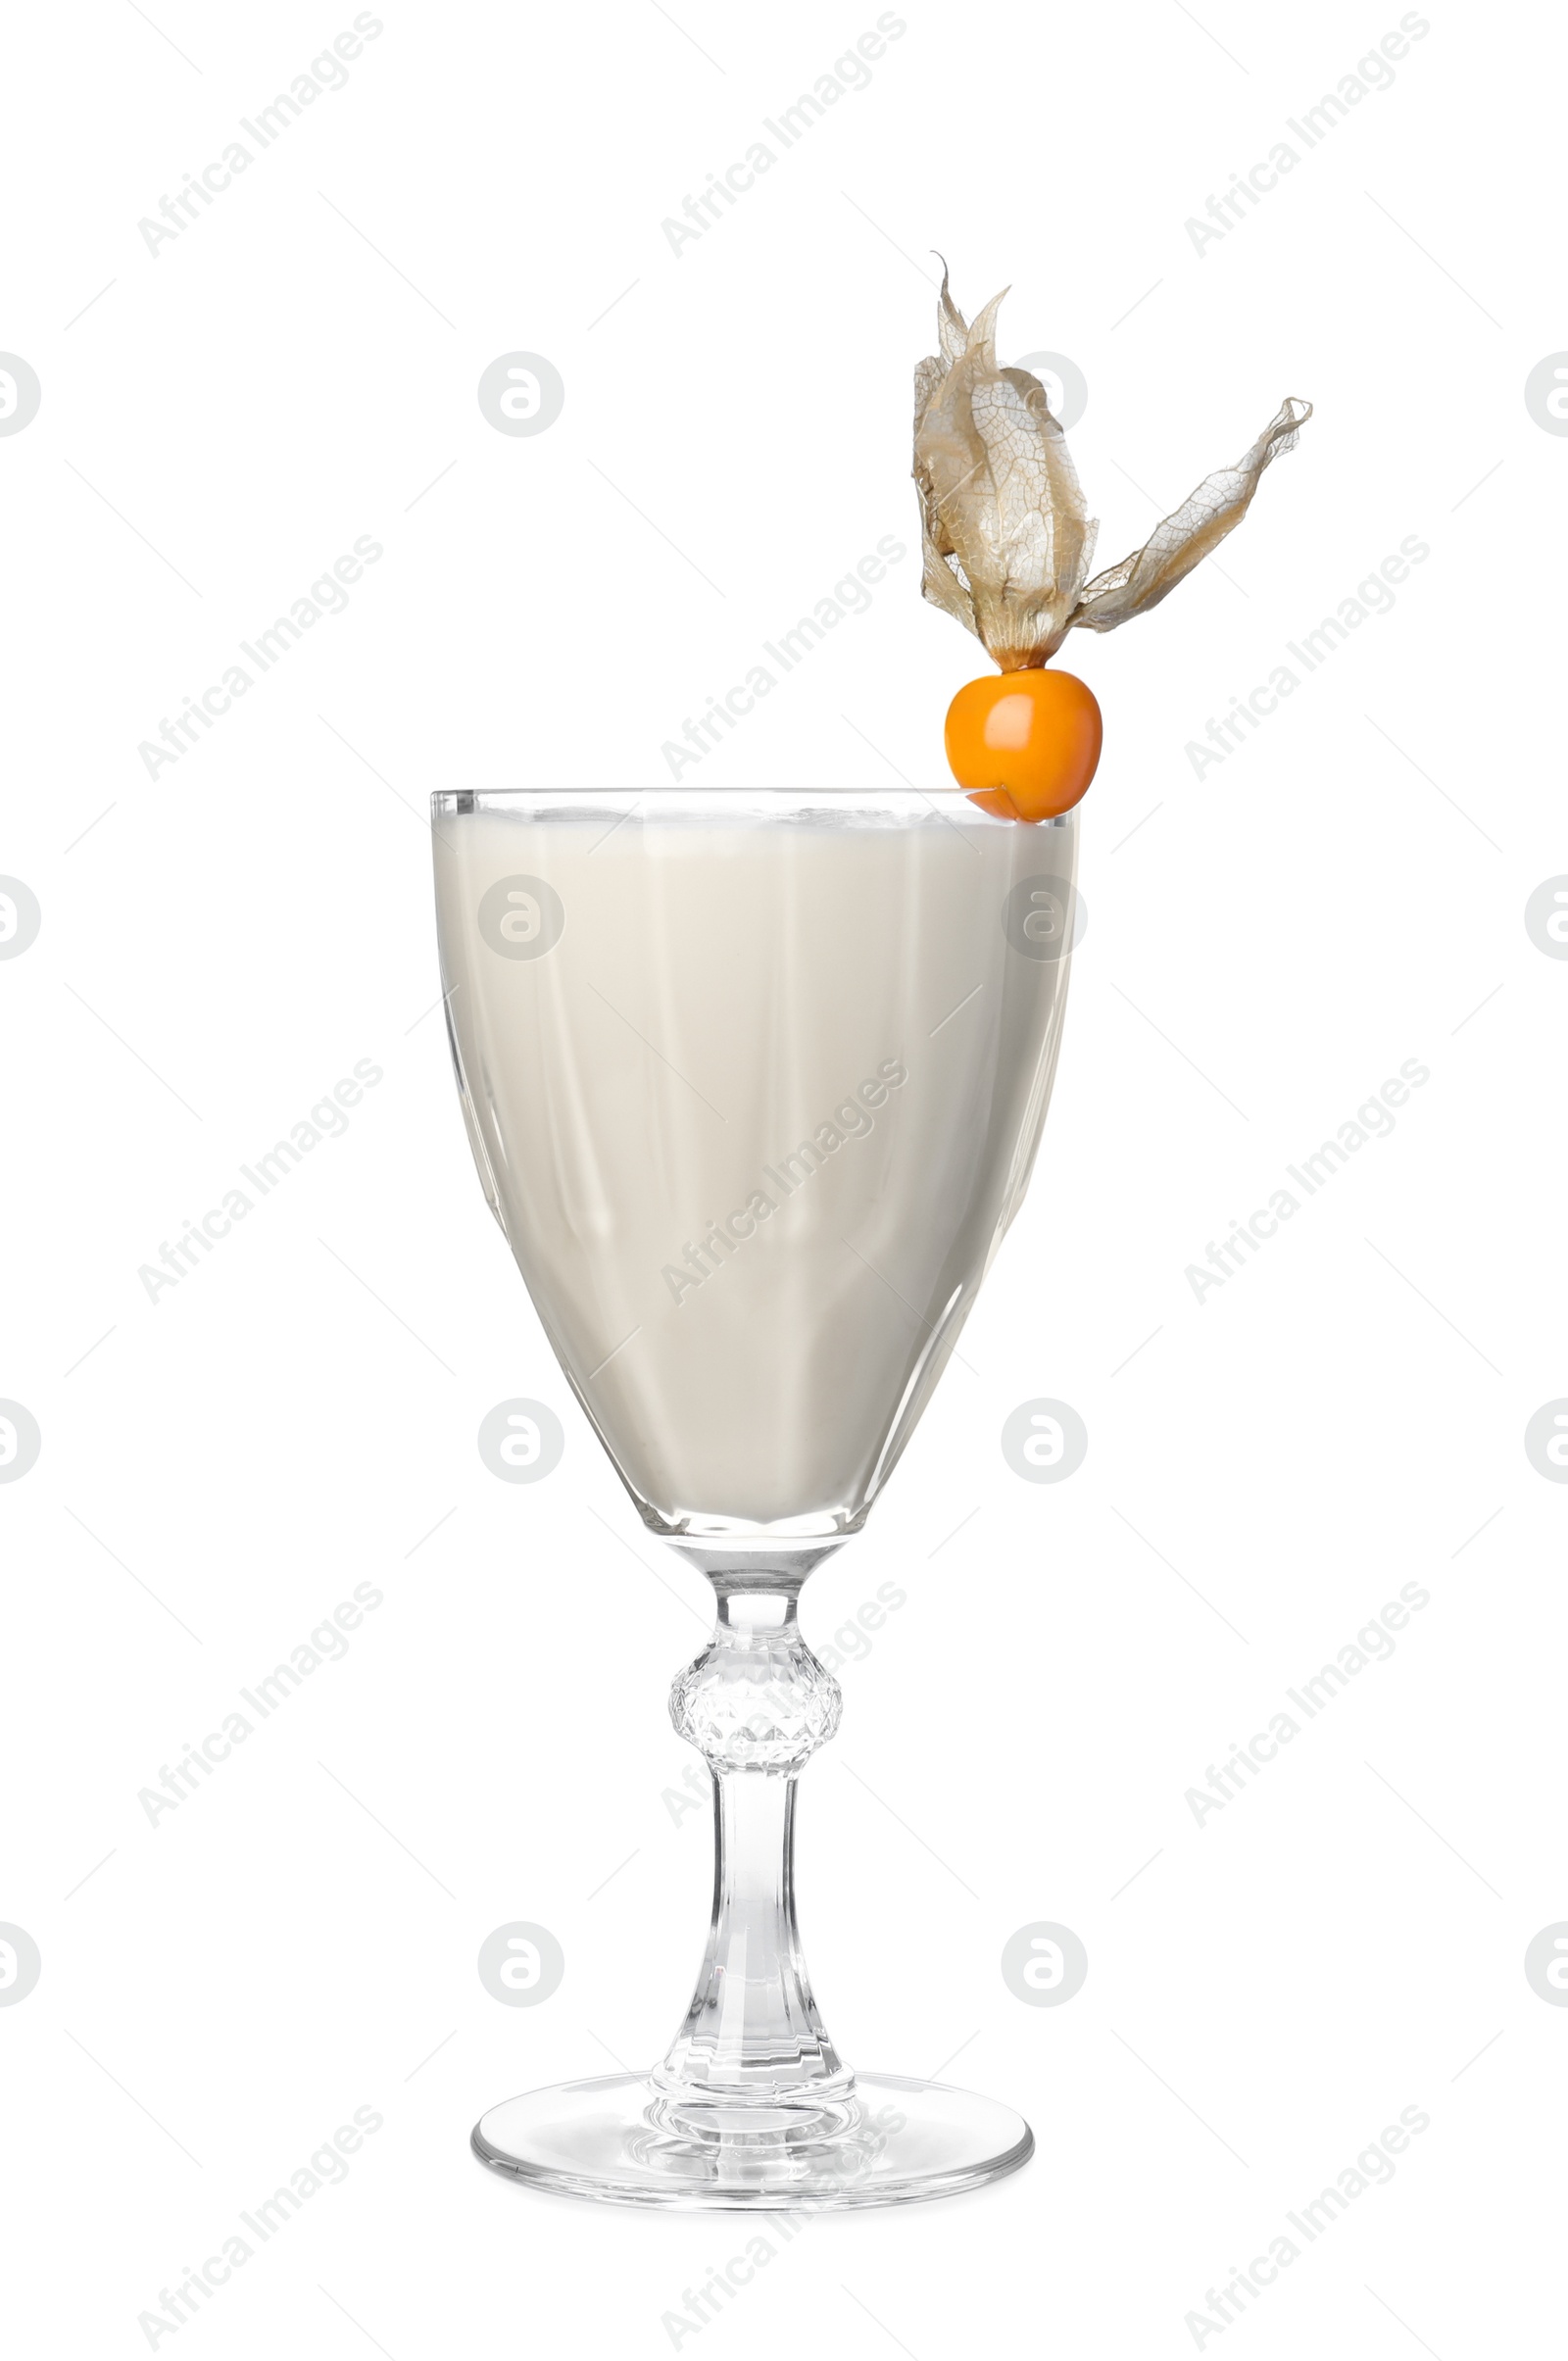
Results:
[220, 943]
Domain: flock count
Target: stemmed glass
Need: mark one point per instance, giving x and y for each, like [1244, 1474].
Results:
[753, 1080]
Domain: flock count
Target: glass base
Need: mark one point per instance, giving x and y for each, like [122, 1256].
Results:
[635, 2140]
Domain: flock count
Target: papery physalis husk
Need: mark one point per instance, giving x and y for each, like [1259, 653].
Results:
[1007, 542]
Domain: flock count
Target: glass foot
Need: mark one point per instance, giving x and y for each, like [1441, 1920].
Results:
[635, 2140]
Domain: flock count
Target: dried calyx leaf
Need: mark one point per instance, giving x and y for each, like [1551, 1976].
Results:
[1007, 542]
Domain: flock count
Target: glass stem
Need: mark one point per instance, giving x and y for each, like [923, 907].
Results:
[757, 1704]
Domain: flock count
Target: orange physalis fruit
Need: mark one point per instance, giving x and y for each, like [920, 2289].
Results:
[1024, 745]
[1008, 548]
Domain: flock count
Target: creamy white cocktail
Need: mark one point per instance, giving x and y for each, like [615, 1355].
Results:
[755, 1082]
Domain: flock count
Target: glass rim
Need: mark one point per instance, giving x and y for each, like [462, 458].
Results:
[945, 801]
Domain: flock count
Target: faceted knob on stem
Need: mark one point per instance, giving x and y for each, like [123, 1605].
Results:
[755, 1699]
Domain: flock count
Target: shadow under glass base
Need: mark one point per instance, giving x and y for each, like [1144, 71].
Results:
[630, 2140]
